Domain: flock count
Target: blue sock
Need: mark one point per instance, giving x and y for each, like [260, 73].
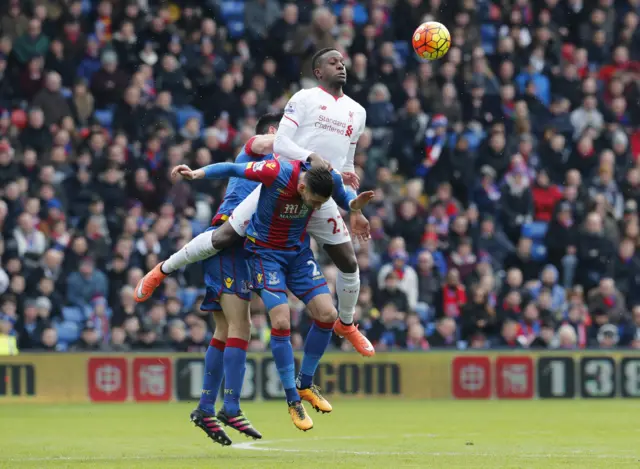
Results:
[283, 355]
[235, 359]
[315, 344]
[213, 373]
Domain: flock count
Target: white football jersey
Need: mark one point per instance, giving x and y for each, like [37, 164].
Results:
[329, 126]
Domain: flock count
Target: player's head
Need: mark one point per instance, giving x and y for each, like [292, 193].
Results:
[328, 67]
[316, 187]
[268, 123]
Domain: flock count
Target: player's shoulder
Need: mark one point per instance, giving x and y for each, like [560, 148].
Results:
[303, 95]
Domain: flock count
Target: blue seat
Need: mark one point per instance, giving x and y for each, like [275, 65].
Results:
[68, 331]
[73, 314]
[104, 117]
[186, 113]
[236, 28]
[232, 10]
[538, 252]
[535, 230]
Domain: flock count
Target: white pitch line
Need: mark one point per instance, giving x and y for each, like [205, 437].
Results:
[262, 446]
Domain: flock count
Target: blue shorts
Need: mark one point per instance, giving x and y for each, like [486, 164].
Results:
[272, 272]
[226, 273]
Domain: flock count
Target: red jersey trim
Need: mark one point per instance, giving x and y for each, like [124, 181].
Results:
[297, 125]
[334, 97]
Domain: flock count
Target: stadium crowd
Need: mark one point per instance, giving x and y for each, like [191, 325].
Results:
[507, 173]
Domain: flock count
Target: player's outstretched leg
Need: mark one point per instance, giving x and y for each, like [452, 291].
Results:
[348, 289]
[320, 306]
[283, 356]
[235, 357]
[201, 247]
[205, 415]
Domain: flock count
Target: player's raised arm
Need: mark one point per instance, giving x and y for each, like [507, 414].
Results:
[265, 172]
[259, 145]
[294, 114]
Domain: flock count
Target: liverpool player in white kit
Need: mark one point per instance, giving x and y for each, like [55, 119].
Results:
[318, 123]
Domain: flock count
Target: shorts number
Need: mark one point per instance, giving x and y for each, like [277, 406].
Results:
[598, 377]
[336, 230]
[314, 266]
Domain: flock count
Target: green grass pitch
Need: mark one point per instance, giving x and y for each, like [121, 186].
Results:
[358, 434]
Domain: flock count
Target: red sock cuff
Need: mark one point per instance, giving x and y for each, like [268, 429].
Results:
[281, 332]
[323, 325]
[220, 345]
[237, 343]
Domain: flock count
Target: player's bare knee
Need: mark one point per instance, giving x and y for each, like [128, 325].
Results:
[321, 308]
[280, 318]
[326, 315]
[344, 257]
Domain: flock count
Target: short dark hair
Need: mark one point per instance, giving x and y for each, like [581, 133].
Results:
[318, 55]
[320, 182]
[268, 120]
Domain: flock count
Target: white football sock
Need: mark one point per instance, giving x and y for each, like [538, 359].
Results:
[198, 249]
[348, 289]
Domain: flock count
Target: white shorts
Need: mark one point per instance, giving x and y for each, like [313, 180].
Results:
[326, 225]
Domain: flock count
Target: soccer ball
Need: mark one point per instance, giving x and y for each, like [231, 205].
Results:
[431, 40]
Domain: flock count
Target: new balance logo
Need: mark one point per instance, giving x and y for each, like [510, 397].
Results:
[323, 108]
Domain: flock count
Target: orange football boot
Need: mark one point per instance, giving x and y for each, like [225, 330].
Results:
[299, 416]
[148, 284]
[353, 335]
[312, 396]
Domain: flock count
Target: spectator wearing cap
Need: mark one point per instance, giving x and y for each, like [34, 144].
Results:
[51, 101]
[89, 339]
[85, 283]
[109, 82]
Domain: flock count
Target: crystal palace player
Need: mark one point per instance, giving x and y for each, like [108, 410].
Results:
[281, 258]
[227, 280]
[323, 121]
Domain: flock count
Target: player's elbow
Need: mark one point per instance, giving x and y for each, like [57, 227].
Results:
[263, 145]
